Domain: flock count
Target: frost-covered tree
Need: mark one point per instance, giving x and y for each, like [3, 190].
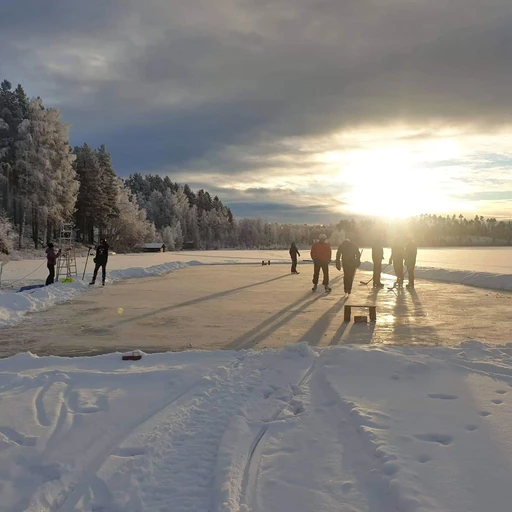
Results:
[109, 184]
[168, 238]
[6, 234]
[131, 226]
[46, 188]
[180, 207]
[193, 237]
[14, 107]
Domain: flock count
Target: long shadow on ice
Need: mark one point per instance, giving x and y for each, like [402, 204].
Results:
[261, 332]
[411, 323]
[192, 302]
[319, 328]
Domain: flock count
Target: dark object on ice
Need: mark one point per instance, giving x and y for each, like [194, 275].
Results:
[348, 311]
[134, 356]
[31, 287]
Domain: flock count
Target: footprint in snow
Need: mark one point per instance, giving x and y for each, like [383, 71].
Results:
[471, 428]
[442, 396]
[484, 413]
[501, 391]
[131, 451]
[347, 486]
[497, 401]
[423, 458]
[443, 439]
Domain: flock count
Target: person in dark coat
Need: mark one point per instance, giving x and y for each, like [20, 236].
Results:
[397, 259]
[294, 252]
[350, 257]
[377, 257]
[321, 255]
[101, 260]
[411, 251]
[51, 261]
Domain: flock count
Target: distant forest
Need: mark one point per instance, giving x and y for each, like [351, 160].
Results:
[44, 182]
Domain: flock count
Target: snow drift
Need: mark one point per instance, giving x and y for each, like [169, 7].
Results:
[13, 305]
[479, 279]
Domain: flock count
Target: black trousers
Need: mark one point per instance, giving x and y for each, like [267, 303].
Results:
[103, 265]
[51, 274]
[377, 270]
[324, 265]
[349, 272]
[294, 265]
[410, 272]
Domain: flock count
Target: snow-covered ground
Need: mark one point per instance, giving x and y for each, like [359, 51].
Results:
[294, 430]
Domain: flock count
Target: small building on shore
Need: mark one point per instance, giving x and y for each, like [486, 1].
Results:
[153, 247]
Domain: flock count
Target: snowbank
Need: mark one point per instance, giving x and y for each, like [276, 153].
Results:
[479, 279]
[14, 305]
[294, 430]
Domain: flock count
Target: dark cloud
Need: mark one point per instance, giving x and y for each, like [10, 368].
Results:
[192, 86]
[286, 213]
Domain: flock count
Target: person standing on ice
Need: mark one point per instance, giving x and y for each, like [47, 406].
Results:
[51, 261]
[377, 257]
[411, 251]
[294, 252]
[101, 260]
[350, 257]
[397, 259]
[321, 255]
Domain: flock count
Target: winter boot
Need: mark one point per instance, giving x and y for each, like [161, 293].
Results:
[314, 288]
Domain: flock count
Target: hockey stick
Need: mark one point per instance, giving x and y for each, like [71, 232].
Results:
[366, 283]
[86, 260]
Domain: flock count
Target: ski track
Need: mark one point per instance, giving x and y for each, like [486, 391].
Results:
[184, 446]
[89, 478]
[251, 470]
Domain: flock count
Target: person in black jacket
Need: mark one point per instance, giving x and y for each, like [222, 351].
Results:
[294, 252]
[101, 260]
[377, 257]
[350, 257]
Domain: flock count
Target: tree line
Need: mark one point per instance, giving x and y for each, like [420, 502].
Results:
[44, 182]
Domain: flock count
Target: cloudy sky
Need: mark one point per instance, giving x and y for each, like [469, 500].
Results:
[292, 110]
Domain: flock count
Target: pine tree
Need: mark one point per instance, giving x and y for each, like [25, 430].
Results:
[90, 195]
[109, 185]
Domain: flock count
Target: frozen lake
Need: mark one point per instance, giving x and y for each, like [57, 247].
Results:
[496, 260]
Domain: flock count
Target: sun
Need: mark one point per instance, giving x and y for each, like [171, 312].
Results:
[392, 182]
